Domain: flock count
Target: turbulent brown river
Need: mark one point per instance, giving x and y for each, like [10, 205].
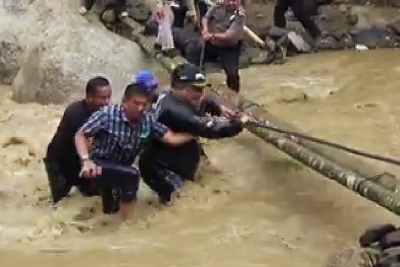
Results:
[262, 209]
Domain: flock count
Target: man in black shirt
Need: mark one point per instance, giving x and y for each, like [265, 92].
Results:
[62, 162]
[164, 168]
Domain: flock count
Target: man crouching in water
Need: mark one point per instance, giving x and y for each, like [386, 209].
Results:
[119, 132]
[62, 161]
[165, 168]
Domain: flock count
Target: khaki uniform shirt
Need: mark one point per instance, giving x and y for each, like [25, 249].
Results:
[220, 20]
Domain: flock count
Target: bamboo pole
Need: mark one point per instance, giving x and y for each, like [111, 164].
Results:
[299, 151]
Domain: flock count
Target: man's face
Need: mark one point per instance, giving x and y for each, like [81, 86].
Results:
[232, 5]
[194, 94]
[135, 106]
[101, 97]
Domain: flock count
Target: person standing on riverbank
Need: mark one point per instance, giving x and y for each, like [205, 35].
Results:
[62, 161]
[119, 132]
[223, 33]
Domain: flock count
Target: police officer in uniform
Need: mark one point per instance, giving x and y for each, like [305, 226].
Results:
[165, 168]
[222, 31]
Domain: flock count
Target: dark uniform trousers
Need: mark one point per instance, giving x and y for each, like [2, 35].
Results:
[303, 10]
[228, 57]
[180, 13]
[179, 16]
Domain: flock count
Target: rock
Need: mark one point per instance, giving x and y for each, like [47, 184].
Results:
[67, 51]
[374, 37]
[395, 26]
[10, 57]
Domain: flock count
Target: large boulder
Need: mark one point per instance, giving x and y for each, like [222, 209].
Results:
[64, 51]
[10, 46]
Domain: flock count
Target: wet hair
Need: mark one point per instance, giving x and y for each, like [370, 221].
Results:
[94, 83]
[136, 89]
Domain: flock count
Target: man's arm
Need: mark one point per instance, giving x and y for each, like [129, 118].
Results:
[209, 106]
[161, 132]
[236, 29]
[215, 107]
[207, 17]
[208, 127]
[95, 124]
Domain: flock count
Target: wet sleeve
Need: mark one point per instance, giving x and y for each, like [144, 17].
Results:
[97, 122]
[236, 28]
[211, 107]
[211, 128]
[158, 130]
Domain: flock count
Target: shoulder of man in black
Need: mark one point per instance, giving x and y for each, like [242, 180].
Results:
[74, 116]
[171, 111]
[181, 117]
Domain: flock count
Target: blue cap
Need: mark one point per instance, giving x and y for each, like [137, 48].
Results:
[146, 78]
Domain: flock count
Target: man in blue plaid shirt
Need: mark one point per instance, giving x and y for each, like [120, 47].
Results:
[119, 132]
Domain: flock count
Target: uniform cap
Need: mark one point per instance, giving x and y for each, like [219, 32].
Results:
[191, 74]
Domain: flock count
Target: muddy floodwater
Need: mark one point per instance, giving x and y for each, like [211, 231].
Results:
[261, 209]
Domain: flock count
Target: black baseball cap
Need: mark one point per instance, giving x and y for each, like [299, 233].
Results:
[189, 74]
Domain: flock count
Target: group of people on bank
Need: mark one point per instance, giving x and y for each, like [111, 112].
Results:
[97, 143]
[219, 28]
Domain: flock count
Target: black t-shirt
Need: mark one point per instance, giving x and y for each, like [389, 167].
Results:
[181, 117]
[62, 146]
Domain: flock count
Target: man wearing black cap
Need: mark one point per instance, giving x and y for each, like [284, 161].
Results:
[164, 168]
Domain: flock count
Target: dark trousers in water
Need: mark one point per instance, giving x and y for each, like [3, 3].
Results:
[228, 57]
[159, 179]
[62, 176]
[117, 183]
[303, 10]
[179, 16]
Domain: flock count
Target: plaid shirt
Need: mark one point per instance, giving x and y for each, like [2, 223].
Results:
[116, 139]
